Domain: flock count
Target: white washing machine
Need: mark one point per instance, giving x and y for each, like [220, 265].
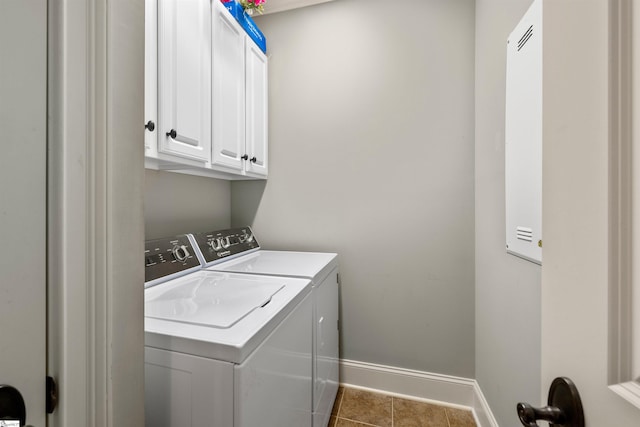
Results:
[223, 349]
[237, 251]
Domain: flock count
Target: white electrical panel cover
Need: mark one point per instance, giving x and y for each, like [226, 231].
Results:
[523, 137]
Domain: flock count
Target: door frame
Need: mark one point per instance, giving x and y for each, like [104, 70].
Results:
[622, 310]
[95, 220]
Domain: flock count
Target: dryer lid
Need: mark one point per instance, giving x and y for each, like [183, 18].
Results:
[312, 265]
[211, 300]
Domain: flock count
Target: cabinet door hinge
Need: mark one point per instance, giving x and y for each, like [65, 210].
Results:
[52, 395]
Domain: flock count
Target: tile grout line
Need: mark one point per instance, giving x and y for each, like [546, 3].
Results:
[446, 414]
[392, 421]
[358, 422]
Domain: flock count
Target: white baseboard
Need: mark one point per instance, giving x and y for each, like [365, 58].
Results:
[481, 409]
[444, 390]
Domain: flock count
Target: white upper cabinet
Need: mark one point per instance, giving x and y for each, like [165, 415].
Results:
[184, 78]
[256, 111]
[228, 90]
[205, 92]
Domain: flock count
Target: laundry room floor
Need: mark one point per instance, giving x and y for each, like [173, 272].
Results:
[356, 408]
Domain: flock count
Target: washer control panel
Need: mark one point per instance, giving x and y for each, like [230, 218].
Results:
[221, 244]
[167, 256]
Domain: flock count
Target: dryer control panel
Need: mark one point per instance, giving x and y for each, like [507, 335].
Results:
[168, 257]
[223, 244]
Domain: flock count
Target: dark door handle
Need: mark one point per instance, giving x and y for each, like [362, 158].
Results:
[564, 407]
[12, 405]
[150, 126]
[253, 159]
[529, 415]
[172, 133]
[245, 157]
[52, 395]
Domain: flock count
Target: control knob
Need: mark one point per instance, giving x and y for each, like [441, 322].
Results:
[224, 241]
[215, 244]
[246, 236]
[180, 253]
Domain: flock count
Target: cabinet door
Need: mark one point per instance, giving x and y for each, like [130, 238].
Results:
[256, 110]
[228, 90]
[184, 74]
[151, 76]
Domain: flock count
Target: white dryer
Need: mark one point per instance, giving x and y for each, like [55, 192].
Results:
[223, 349]
[237, 250]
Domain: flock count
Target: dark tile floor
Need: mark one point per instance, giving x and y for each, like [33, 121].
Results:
[354, 408]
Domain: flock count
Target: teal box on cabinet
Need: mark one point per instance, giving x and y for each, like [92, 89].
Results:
[247, 23]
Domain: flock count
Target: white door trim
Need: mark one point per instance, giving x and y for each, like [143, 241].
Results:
[621, 255]
[96, 232]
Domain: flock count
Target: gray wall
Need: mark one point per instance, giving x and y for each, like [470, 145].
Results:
[371, 145]
[176, 204]
[507, 288]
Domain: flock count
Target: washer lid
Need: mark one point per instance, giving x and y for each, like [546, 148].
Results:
[210, 300]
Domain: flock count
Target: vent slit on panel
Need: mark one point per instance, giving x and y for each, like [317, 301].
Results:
[525, 37]
[524, 233]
